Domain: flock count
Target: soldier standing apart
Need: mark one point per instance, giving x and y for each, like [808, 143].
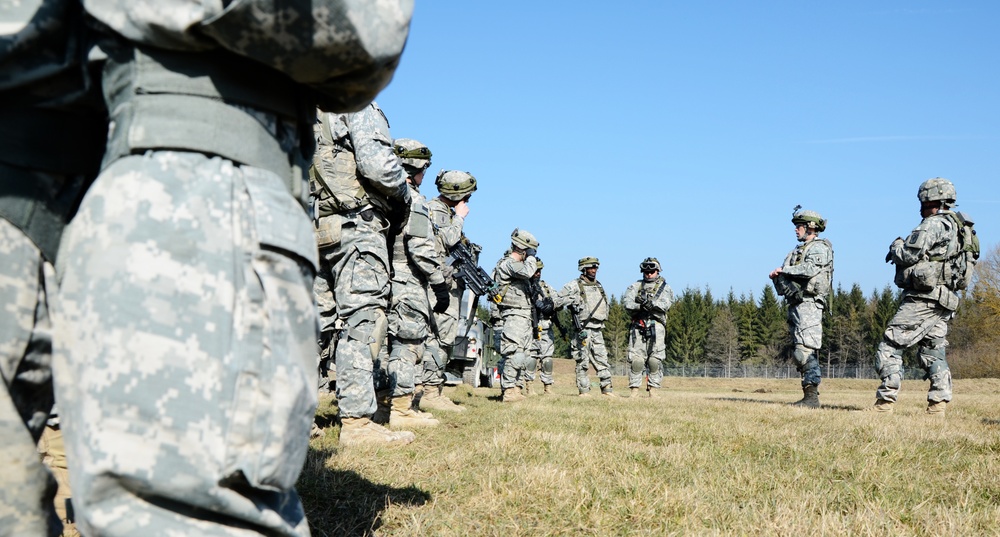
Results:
[416, 265]
[363, 193]
[585, 296]
[805, 279]
[932, 264]
[513, 274]
[542, 347]
[647, 302]
[185, 344]
[448, 212]
[53, 126]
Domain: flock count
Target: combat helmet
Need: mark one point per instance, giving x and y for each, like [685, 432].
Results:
[937, 189]
[587, 262]
[414, 156]
[810, 219]
[522, 239]
[650, 263]
[455, 185]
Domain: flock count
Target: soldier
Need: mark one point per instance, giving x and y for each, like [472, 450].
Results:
[513, 274]
[542, 348]
[53, 126]
[932, 264]
[416, 265]
[647, 302]
[362, 193]
[186, 358]
[586, 298]
[448, 212]
[805, 279]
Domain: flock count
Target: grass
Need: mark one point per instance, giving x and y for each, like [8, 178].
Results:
[707, 457]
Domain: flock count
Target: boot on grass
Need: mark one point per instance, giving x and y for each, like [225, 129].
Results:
[403, 416]
[810, 397]
[355, 431]
[435, 399]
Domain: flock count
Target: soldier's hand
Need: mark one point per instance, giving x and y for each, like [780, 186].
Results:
[399, 214]
[442, 297]
[530, 252]
[462, 209]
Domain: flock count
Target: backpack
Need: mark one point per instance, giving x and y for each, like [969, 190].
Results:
[960, 265]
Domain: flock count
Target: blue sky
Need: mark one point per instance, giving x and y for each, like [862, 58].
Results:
[688, 131]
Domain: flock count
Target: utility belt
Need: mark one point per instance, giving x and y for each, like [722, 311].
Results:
[209, 102]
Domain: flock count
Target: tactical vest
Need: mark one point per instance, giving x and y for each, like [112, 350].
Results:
[594, 300]
[818, 286]
[334, 178]
[953, 269]
[659, 285]
[515, 292]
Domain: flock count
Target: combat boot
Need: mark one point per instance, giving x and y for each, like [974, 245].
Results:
[546, 389]
[356, 431]
[810, 397]
[608, 393]
[652, 392]
[881, 406]
[383, 400]
[527, 389]
[434, 399]
[584, 394]
[512, 395]
[633, 392]
[402, 416]
[936, 408]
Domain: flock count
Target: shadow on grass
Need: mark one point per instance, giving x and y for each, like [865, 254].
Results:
[994, 423]
[846, 408]
[340, 502]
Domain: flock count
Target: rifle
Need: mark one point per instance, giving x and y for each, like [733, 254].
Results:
[541, 306]
[574, 312]
[468, 271]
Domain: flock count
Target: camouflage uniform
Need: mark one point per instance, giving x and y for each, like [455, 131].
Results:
[587, 346]
[447, 233]
[805, 282]
[416, 265]
[543, 347]
[515, 308]
[53, 128]
[647, 302]
[186, 359]
[925, 310]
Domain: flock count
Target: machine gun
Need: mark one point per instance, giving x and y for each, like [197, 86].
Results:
[468, 271]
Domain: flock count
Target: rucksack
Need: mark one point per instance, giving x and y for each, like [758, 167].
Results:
[960, 265]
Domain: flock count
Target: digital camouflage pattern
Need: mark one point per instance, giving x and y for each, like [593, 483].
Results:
[47, 100]
[358, 256]
[543, 348]
[186, 366]
[515, 308]
[923, 315]
[447, 227]
[587, 347]
[805, 282]
[647, 301]
[416, 265]
[26, 487]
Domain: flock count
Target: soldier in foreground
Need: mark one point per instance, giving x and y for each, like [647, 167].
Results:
[48, 99]
[932, 265]
[416, 265]
[186, 360]
[587, 300]
[513, 273]
[647, 301]
[805, 279]
[448, 211]
[363, 198]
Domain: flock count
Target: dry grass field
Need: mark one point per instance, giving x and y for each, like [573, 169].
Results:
[707, 457]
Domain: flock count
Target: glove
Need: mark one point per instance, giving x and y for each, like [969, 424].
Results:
[646, 305]
[442, 297]
[545, 307]
[530, 252]
[399, 214]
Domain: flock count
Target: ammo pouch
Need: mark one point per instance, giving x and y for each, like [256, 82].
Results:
[923, 276]
[334, 176]
[788, 288]
[328, 232]
[210, 102]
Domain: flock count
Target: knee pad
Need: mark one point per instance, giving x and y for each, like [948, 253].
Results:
[888, 359]
[438, 355]
[368, 327]
[547, 365]
[520, 360]
[655, 365]
[638, 366]
[801, 354]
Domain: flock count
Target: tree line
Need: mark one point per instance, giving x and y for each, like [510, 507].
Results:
[751, 329]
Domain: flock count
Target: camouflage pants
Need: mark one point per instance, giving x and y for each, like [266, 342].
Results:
[26, 487]
[409, 317]
[587, 352]
[359, 266]
[185, 356]
[440, 342]
[920, 322]
[805, 320]
[515, 346]
[542, 350]
[647, 355]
